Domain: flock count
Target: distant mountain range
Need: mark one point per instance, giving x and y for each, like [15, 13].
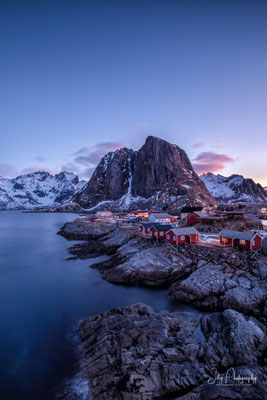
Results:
[234, 189]
[38, 189]
[158, 175]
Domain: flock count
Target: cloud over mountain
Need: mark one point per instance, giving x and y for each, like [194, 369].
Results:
[209, 161]
[86, 158]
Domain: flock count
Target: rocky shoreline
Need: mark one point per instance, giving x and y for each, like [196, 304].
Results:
[134, 353]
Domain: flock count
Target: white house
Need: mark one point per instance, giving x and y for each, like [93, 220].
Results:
[160, 217]
[104, 214]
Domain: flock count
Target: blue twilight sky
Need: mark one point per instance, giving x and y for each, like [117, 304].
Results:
[80, 78]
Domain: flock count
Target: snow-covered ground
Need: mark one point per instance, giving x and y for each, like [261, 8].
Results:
[38, 189]
[209, 237]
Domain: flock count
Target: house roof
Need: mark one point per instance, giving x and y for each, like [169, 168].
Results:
[211, 217]
[201, 214]
[191, 209]
[185, 231]
[158, 226]
[160, 215]
[238, 235]
[149, 224]
[162, 227]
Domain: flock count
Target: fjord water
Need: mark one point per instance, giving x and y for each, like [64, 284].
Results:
[43, 298]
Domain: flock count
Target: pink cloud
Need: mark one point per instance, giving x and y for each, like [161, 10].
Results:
[209, 161]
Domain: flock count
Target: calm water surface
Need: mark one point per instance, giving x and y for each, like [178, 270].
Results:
[42, 300]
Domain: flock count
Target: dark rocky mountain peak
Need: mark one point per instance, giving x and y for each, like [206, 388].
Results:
[110, 180]
[160, 173]
[159, 163]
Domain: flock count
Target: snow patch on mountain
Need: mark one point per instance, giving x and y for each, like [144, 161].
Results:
[38, 189]
[234, 188]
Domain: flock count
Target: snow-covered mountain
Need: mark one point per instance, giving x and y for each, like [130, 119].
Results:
[234, 189]
[38, 189]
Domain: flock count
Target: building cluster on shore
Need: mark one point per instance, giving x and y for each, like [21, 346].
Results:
[185, 225]
[175, 235]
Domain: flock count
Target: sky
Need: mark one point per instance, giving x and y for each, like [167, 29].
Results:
[81, 78]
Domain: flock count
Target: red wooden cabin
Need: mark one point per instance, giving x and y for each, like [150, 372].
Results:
[243, 240]
[194, 217]
[160, 230]
[147, 230]
[182, 235]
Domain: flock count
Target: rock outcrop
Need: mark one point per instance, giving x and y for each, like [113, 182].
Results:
[134, 353]
[214, 287]
[82, 228]
[208, 278]
[160, 173]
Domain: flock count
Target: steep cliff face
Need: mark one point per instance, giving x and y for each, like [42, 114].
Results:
[110, 181]
[160, 173]
[234, 188]
[163, 171]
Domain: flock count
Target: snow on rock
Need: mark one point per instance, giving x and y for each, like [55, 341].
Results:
[158, 174]
[38, 189]
[234, 188]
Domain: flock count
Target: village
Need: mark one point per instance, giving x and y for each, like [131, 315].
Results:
[193, 225]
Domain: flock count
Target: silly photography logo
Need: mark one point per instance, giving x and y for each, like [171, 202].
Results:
[231, 378]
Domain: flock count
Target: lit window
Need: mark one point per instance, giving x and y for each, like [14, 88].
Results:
[161, 233]
[148, 229]
[168, 236]
[182, 238]
[253, 242]
[242, 241]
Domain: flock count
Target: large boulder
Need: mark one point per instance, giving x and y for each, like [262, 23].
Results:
[211, 288]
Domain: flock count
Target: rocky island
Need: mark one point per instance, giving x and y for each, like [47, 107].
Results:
[135, 353]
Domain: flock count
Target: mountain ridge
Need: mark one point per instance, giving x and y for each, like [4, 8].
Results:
[159, 175]
[234, 189]
[38, 189]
